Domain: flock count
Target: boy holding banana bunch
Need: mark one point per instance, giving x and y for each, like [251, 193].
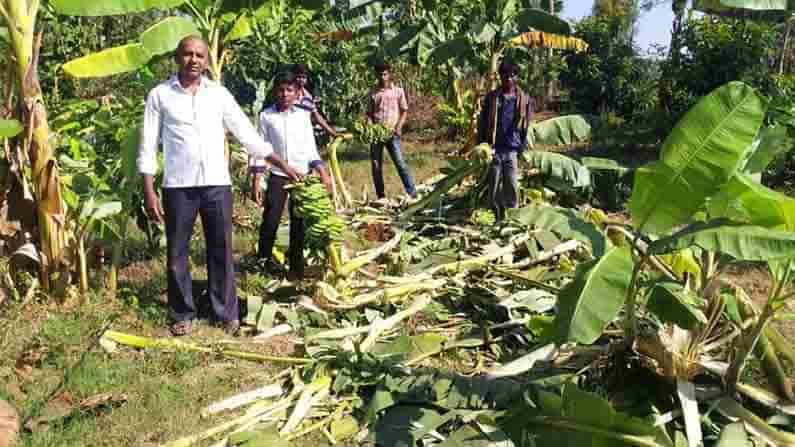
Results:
[288, 129]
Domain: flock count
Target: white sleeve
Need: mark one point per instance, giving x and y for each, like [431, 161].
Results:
[150, 135]
[238, 123]
[262, 129]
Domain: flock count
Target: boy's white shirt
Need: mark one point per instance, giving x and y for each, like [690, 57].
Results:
[291, 136]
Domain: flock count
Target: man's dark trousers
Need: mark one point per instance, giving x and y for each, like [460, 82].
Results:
[214, 204]
[275, 197]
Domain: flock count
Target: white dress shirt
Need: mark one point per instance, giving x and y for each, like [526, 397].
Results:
[291, 136]
[191, 130]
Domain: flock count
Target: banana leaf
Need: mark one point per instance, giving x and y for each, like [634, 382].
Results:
[734, 435]
[110, 7]
[109, 62]
[164, 36]
[741, 242]
[595, 297]
[701, 154]
[745, 200]
[580, 418]
[559, 166]
[540, 20]
[603, 164]
[10, 128]
[565, 222]
[561, 131]
[771, 142]
[240, 30]
[671, 303]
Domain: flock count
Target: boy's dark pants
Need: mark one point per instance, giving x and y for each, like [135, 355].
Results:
[503, 183]
[377, 165]
[214, 204]
[275, 197]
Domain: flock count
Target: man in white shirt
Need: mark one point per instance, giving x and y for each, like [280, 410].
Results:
[188, 115]
[288, 128]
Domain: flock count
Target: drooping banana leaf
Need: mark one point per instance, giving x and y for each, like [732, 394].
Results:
[458, 47]
[745, 200]
[603, 164]
[771, 142]
[701, 154]
[109, 62]
[540, 20]
[594, 298]
[164, 36]
[393, 47]
[110, 7]
[559, 166]
[740, 241]
[561, 131]
[240, 30]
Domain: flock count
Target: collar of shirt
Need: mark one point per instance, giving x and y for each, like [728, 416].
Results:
[174, 82]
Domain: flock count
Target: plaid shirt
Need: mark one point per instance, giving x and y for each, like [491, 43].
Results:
[386, 105]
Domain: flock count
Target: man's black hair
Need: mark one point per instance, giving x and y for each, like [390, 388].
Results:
[284, 77]
[299, 69]
[382, 66]
[508, 67]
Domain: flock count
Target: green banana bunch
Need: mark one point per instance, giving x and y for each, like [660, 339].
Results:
[482, 218]
[372, 133]
[313, 204]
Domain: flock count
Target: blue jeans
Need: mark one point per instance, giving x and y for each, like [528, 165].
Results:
[377, 165]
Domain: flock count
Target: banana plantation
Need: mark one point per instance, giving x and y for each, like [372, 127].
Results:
[637, 290]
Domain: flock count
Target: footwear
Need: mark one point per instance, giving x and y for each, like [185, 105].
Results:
[180, 328]
[231, 327]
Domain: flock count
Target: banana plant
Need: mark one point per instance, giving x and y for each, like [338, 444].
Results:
[699, 182]
[87, 216]
[219, 22]
[703, 153]
[40, 184]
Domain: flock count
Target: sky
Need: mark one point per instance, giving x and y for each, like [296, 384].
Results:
[653, 26]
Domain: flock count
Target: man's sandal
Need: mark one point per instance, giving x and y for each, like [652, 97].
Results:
[231, 327]
[181, 328]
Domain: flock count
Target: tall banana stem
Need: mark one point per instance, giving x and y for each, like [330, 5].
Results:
[21, 18]
[336, 172]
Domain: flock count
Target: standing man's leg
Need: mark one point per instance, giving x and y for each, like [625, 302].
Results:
[377, 166]
[275, 196]
[510, 180]
[495, 187]
[296, 245]
[402, 168]
[216, 214]
[181, 206]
